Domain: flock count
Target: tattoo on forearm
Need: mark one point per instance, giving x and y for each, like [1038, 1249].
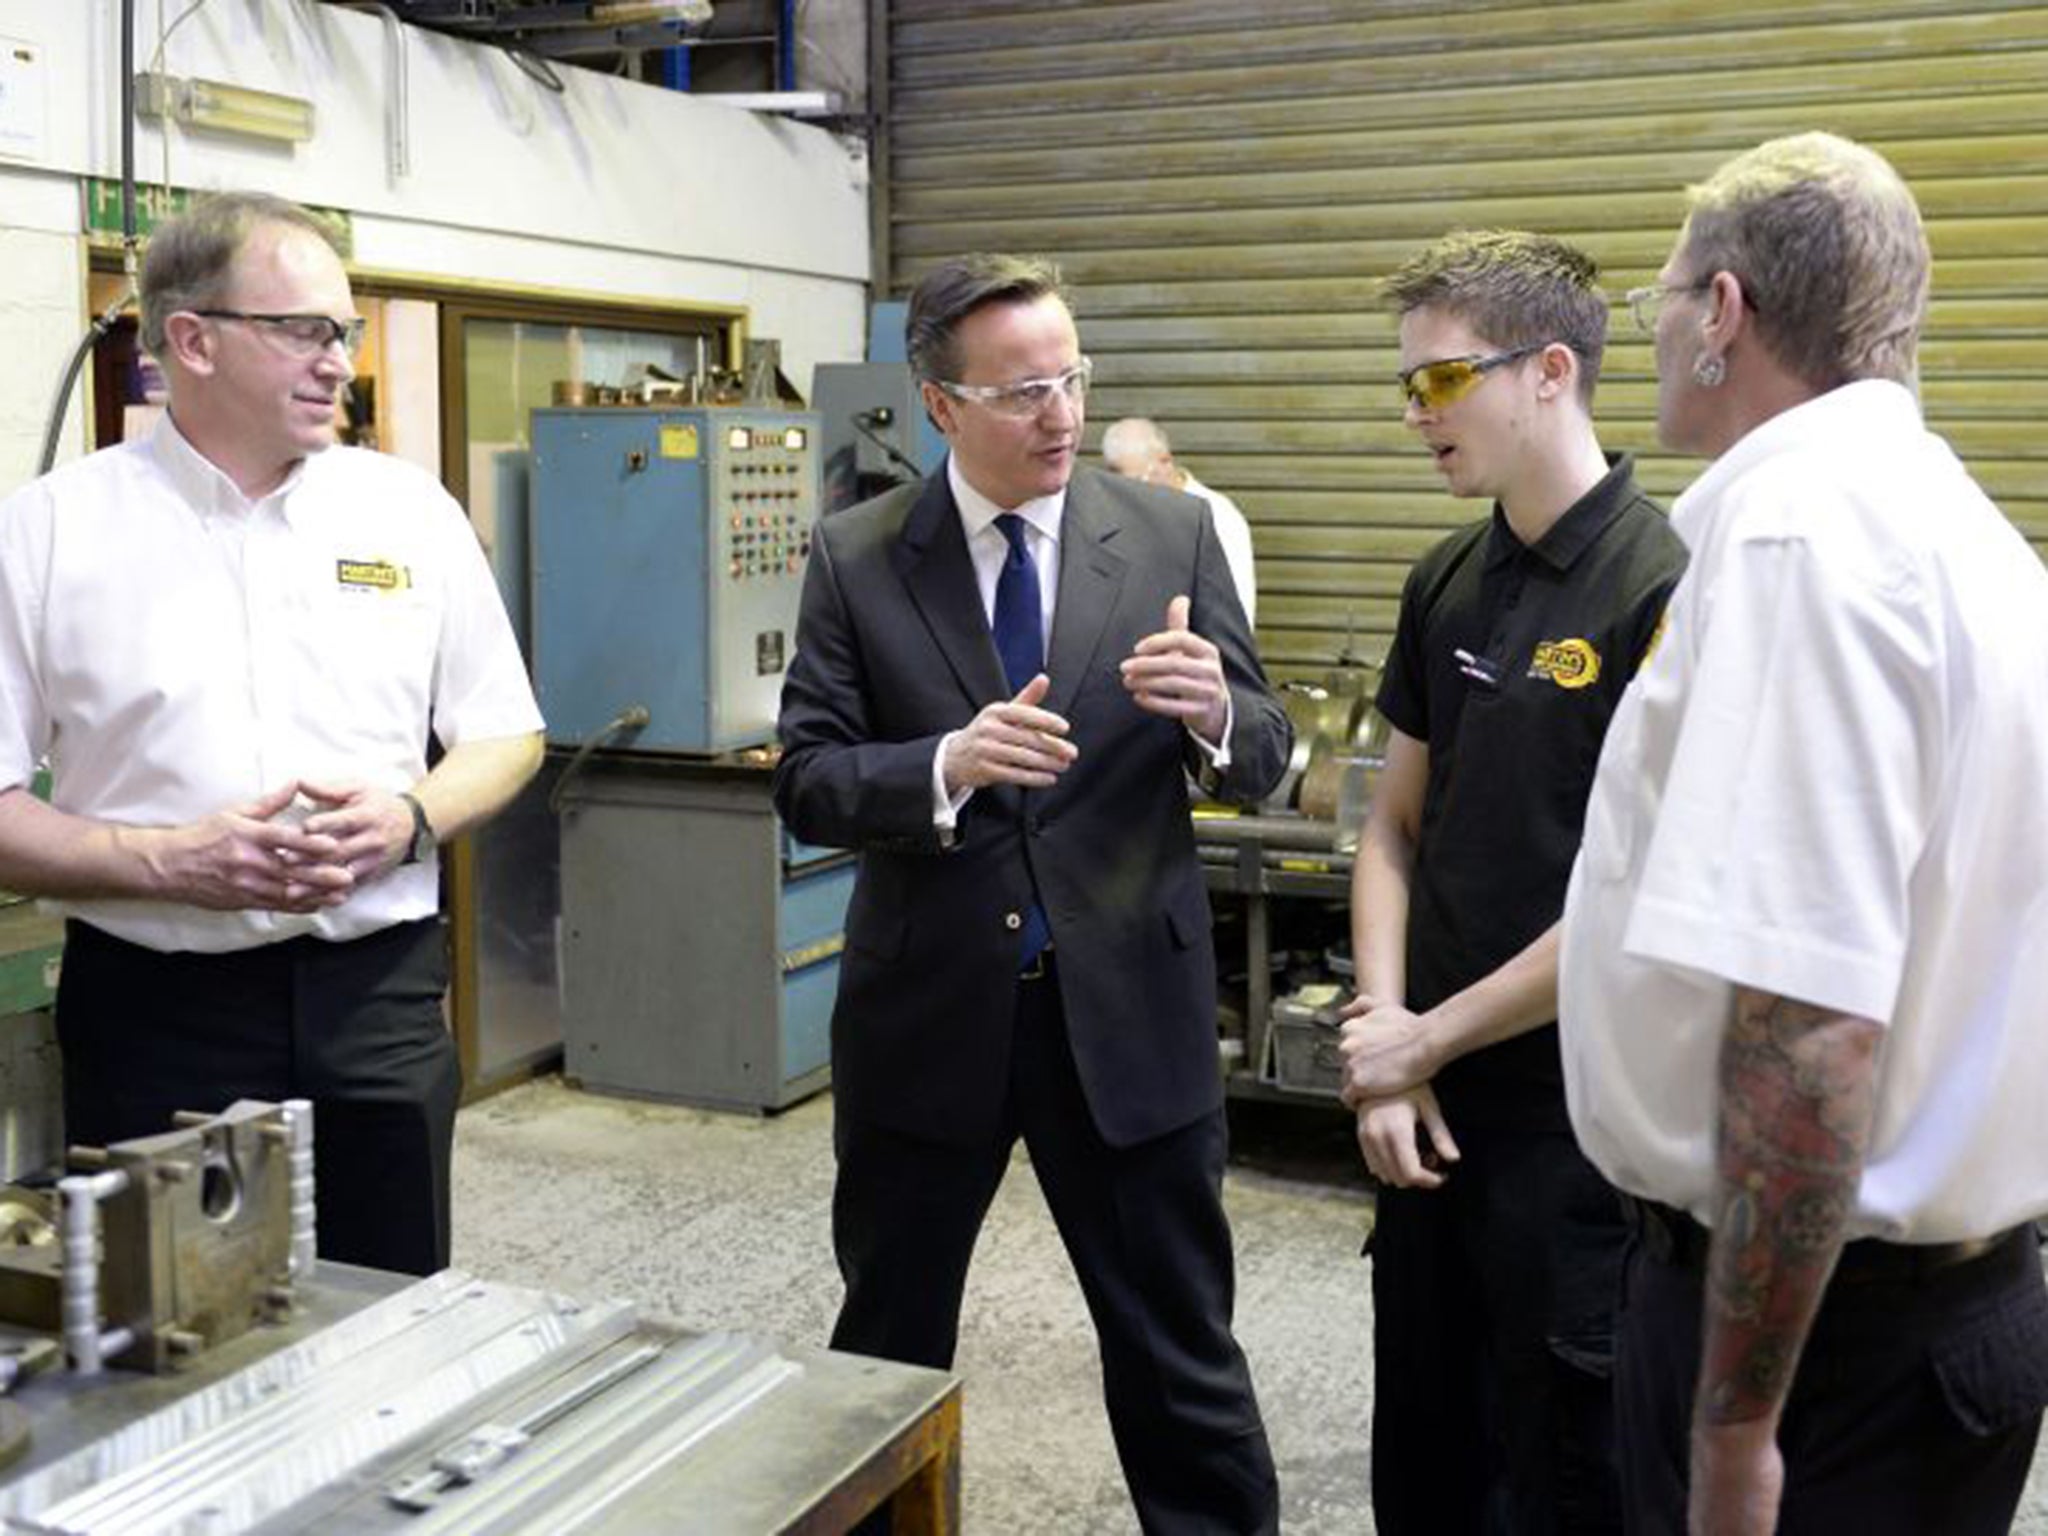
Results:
[1798, 1089]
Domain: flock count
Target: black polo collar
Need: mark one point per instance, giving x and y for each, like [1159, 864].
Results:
[1575, 532]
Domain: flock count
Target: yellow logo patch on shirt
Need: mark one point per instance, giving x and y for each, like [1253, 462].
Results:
[1567, 663]
[372, 575]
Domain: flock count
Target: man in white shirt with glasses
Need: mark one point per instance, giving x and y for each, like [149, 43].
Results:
[232, 641]
[1003, 676]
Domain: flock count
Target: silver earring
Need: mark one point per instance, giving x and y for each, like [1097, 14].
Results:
[1708, 370]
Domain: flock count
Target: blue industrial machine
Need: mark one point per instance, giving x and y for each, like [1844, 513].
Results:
[668, 555]
[699, 943]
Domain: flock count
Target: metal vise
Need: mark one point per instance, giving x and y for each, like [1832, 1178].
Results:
[169, 1244]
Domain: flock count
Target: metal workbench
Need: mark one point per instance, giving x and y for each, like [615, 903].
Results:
[790, 1441]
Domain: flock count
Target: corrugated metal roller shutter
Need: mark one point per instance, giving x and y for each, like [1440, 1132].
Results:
[1225, 183]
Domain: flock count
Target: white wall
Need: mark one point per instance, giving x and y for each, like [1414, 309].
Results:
[42, 315]
[409, 415]
[610, 187]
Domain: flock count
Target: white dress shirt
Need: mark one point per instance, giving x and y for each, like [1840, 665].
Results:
[988, 549]
[176, 648]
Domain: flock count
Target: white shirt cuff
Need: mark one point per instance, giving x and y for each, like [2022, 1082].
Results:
[945, 807]
[1219, 757]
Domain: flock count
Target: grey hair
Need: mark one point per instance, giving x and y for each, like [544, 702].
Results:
[1514, 288]
[1827, 242]
[1135, 437]
[955, 289]
[191, 256]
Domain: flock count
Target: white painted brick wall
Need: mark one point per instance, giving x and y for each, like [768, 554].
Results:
[41, 304]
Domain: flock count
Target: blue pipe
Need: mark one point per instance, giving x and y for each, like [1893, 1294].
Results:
[675, 68]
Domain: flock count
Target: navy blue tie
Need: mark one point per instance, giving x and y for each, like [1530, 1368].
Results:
[1019, 621]
[1020, 640]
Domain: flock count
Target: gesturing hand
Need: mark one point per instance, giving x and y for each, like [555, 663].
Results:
[1178, 674]
[1012, 741]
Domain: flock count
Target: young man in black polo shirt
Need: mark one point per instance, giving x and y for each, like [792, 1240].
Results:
[1496, 1246]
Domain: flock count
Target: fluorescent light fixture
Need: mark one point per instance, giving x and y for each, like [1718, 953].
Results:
[795, 103]
[217, 107]
[619, 13]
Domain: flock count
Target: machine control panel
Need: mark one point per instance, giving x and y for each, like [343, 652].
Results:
[766, 482]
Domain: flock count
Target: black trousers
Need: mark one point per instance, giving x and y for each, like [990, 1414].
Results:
[1915, 1408]
[1145, 1231]
[1493, 1338]
[355, 1027]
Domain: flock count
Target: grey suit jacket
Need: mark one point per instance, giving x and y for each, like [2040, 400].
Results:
[893, 650]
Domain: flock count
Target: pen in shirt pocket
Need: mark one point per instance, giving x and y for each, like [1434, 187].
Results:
[1478, 668]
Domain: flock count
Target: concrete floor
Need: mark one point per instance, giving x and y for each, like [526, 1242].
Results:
[722, 1221]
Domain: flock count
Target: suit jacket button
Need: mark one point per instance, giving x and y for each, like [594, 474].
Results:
[1013, 921]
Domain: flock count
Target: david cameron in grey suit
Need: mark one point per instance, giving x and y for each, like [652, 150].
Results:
[1004, 677]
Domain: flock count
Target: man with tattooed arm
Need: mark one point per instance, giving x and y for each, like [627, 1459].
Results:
[1806, 942]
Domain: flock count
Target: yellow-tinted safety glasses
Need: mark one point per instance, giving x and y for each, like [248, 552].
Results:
[1432, 386]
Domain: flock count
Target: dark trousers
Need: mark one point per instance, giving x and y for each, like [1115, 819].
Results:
[355, 1027]
[1493, 1335]
[1914, 1410]
[1145, 1230]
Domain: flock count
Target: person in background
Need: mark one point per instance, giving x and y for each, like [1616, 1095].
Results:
[1136, 448]
[1003, 676]
[232, 641]
[1806, 944]
[1495, 1247]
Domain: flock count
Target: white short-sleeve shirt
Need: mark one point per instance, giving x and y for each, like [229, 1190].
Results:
[1234, 533]
[176, 648]
[1830, 782]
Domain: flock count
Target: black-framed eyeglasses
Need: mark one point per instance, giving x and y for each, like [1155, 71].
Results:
[1027, 397]
[1432, 386]
[306, 335]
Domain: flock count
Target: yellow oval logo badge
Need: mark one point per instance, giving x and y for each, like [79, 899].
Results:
[1567, 663]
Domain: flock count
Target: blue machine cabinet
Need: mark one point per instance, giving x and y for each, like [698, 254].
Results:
[700, 944]
[668, 549]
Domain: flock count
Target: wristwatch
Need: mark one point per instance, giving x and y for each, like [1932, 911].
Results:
[423, 839]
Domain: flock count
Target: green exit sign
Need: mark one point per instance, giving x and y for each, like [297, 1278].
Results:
[154, 204]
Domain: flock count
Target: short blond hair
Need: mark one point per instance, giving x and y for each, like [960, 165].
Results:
[1827, 242]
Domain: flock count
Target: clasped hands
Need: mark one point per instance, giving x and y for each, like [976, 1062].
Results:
[1173, 672]
[1390, 1055]
[268, 854]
